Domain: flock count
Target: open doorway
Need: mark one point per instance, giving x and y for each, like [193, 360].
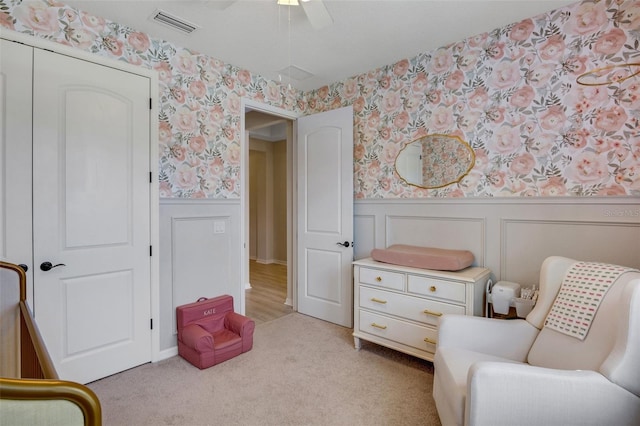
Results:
[268, 293]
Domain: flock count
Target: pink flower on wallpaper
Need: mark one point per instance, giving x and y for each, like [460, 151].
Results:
[495, 50]
[540, 76]
[197, 88]
[478, 98]
[113, 45]
[630, 16]
[506, 140]
[522, 30]
[350, 88]
[184, 120]
[586, 18]
[272, 91]
[232, 104]
[81, 37]
[37, 16]
[164, 71]
[553, 118]
[359, 104]
[576, 139]
[164, 132]
[552, 49]
[610, 119]
[197, 144]
[575, 64]
[385, 133]
[413, 102]
[441, 119]
[612, 191]
[373, 121]
[601, 145]
[96, 23]
[216, 167]
[232, 154]
[631, 175]
[420, 83]
[552, 187]
[138, 41]
[441, 61]
[478, 40]
[401, 68]
[6, 21]
[433, 96]
[389, 153]
[630, 93]
[610, 42]
[495, 114]
[467, 120]
[165, 190]
[358, 152]
[522, 97]
[523, 164]
[244, 77]
[391, 102]
[468, 60]
[455, 80]
[185, 177]
[585, 98]
[505, 75]
[588, 168]
[185, 62]
[541, 144]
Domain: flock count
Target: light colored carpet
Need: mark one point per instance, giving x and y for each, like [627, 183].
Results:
[301, 371]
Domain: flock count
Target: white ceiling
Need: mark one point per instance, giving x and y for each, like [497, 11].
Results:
[264, 38]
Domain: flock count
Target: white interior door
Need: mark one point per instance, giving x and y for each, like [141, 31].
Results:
[325, 215]
[91, 215]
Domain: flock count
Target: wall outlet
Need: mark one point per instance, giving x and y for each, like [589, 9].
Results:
[218, 227]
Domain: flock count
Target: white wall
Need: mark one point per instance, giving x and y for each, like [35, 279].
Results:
[199, 247]
[510, 236]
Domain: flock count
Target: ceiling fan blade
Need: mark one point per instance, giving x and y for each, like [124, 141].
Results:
[317, 13]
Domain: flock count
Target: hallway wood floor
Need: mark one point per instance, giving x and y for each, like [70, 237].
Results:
[265, 300]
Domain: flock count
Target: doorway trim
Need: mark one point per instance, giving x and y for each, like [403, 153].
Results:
[251, 105]
[154, 188]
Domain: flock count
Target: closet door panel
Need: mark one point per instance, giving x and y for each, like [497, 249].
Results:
[15, 155]
[91, 215]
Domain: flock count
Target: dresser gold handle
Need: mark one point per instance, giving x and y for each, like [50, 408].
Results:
[432, 288]
[435, 314]
[433, 342]
[378, 279]
[381, 327]
[373, 299]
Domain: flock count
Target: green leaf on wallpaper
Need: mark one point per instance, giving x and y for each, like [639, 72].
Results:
[552, 100]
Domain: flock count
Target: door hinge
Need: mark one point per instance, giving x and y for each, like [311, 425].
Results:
[150, 250]
[151, 320]
[150, 177]
[150, 103]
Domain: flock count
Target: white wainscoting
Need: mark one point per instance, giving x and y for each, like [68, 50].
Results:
[199, 243]
[509, 236]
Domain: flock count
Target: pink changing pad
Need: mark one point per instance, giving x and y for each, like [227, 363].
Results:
[424, 257]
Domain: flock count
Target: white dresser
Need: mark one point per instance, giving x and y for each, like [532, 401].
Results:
[398, 306]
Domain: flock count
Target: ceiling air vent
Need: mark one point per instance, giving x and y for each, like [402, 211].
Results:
[172, 21]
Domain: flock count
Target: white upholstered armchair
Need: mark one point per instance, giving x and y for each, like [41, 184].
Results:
[535, 372]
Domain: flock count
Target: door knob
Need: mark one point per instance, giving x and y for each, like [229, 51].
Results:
[47, 266]
[345, 244]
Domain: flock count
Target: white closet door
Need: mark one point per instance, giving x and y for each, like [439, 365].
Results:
[15, 155]
[91, 216]
[325, 215]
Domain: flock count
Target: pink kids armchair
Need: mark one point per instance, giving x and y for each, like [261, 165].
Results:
[210, 332]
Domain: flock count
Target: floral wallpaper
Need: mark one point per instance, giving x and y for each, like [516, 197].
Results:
[199, 95]
[511, 93]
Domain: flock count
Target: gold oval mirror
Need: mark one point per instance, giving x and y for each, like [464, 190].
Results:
[434, 161]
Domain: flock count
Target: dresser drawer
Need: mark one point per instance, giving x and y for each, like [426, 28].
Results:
[432, 287]
[417, 336]
[411, 307]
[380, 278]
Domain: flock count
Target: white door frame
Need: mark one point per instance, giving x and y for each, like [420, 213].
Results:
[154, 197]
[244, 197]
